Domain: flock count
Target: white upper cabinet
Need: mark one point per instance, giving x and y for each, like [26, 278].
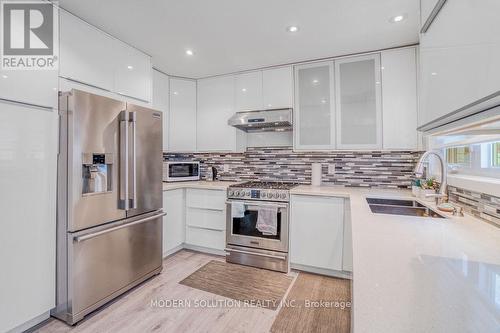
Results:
[132, 72]
[358, 102]
[249, 91]
[215, 107]
[261, 90]
[182, 115]
[90, 56]
[399, 96]
[160, 101]
[314, 122]
[160, 91]
[277, 88]
[459, 57]
[37, 87]
[85, 53]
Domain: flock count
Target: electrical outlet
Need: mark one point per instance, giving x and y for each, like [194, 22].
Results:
[331, 169]
[226, 167]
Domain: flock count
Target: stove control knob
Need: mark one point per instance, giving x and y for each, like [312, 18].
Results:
[270, 195]
[283, 195]
[230, 192]
[242, 193]
[236, 193]
[247, 193]
[263, 195]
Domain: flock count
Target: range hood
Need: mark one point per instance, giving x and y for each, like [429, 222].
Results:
[265, 120]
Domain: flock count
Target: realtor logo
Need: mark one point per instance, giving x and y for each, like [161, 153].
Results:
[28, 35]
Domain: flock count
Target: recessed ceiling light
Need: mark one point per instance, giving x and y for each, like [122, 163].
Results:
[189, 52]
[176, 93]
[292, 28]
[4, 76]
[130, 67]
[244, 89]
[397, 18]
[315, 81]
[434, 73]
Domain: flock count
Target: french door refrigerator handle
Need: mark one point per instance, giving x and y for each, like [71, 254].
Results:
[124, 166]
[79, 239]
[133, 190]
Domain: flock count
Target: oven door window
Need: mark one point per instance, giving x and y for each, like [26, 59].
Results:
[178, 170]
[247, 225]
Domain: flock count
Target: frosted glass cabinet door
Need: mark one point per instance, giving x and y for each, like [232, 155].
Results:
[314, 116]
[358, 96]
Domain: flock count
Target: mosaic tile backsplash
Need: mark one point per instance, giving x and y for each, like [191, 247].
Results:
[483, 206]
[386, 169]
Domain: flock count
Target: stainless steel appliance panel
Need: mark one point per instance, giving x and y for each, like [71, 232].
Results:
[179, 171]
[253, 239]
[108, 260]
[276, 261]
[146, 160]
[92, 127]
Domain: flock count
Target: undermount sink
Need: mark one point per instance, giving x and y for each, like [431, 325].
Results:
[401, 207]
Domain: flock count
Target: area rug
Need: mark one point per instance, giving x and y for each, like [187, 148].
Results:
[254, 286]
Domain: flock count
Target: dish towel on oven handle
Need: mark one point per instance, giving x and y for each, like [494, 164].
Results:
[267, 220]
[237, 210]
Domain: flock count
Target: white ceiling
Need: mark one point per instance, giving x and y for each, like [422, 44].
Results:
[234, 35]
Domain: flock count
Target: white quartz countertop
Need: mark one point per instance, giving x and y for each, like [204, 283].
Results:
[202, 184]
[416, 274]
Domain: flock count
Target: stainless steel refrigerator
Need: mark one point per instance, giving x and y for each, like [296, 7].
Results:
[109, 224]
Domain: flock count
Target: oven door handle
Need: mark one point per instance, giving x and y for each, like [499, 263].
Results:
[255, 254]
[259, 203]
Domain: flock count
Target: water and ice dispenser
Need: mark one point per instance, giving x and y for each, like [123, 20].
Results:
[97, 173]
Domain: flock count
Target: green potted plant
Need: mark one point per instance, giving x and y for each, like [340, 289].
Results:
[428, 186]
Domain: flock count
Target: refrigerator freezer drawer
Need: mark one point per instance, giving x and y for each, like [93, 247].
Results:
[108, 262]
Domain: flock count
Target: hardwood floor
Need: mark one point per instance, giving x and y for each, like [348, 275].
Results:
[322, 304]
[136, 311]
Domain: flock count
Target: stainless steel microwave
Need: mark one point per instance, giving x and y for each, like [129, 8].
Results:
[178, 171]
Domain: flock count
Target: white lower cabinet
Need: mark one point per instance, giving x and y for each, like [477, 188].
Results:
[317, 233]
[206, 238]
[206, 219]
[347, 248]
[174, 221]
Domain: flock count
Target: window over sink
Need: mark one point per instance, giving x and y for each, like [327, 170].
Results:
[480, 159]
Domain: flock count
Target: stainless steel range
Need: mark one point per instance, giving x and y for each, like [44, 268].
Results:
[258, 224]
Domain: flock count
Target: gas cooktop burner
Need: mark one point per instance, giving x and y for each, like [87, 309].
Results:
[266, 185]
[256, 190]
